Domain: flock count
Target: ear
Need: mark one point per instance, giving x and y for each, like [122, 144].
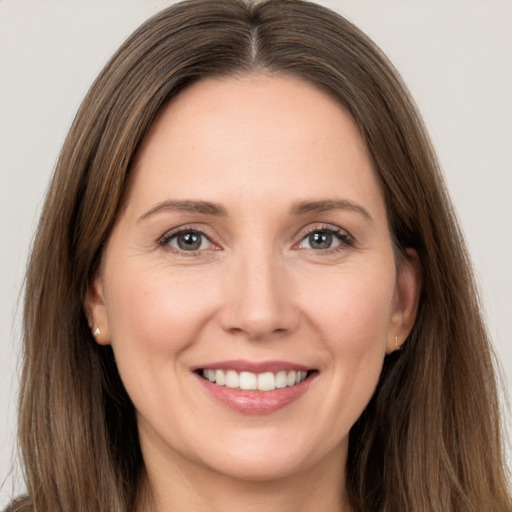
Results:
[407, 293]
[96, 310]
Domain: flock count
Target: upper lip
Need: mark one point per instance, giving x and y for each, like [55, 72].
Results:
[241, 365]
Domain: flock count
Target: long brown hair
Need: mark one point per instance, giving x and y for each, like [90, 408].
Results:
[430, 437]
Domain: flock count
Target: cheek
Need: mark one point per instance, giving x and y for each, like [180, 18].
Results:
[351, 317]
[154, 312]
[353, 308]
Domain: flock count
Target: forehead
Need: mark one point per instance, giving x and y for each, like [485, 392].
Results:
[254, 134]
[237, 107]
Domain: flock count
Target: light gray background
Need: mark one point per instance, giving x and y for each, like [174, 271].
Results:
[455, 55]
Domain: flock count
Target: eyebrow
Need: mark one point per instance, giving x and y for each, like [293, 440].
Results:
[204, 207]
[215, 209]
[304, 207]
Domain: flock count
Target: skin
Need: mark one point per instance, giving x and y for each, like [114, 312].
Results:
[256, 289]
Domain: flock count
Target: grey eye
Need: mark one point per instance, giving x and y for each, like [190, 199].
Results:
[189, 241]
[320, 240]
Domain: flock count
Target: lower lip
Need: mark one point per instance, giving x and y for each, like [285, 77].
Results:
[256, 402]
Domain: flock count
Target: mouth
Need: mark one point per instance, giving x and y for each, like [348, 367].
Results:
[255, 388]
[251, 381]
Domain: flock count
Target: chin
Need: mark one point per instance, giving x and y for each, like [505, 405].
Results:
[271, 457]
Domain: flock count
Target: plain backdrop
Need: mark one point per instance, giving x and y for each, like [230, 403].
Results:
[455, 56]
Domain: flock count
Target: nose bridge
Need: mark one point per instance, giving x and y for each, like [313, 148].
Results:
[259, 300]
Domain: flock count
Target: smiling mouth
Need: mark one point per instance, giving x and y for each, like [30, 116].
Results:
[249, 381]
[255, 388]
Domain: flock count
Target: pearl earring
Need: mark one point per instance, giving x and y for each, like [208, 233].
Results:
[96, 332]
[397, 346]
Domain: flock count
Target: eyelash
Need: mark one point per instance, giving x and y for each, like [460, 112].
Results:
[345, 240]
[167, 237]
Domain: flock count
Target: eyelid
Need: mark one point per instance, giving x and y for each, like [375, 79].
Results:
[174, 232]
[345, 238]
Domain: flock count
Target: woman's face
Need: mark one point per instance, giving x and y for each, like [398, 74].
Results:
[253, 251]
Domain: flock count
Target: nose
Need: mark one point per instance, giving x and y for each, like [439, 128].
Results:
[259, 298]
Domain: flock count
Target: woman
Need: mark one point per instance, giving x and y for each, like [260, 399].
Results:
[248, 287]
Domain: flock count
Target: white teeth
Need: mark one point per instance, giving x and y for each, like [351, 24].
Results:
[281, 380]
[267, 381]
[248, 381]
[220, 378]
[232, 379]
